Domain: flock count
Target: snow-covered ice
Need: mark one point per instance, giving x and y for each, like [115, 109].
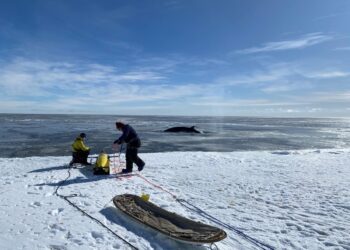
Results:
[287, 199]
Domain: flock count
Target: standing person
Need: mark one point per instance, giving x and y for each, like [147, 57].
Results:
[80, 151]
[133, 143]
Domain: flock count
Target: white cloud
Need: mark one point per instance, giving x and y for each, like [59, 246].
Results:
[292, 110]
[70, 87]
[35, 78]
[343, 48]
[331, 97]
[285, 87]
[283, 77]
[336, 100]
[14, 106]
[216, 102]
[90, 88]
[315, 110]
[270, 74]
[327, 74]
[305, 41]
[332, 15]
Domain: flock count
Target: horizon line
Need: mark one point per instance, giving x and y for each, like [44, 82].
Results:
[237, 116]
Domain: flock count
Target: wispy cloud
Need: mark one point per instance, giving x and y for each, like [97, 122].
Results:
[284, 77]
[331, 97]
[67, 86]
[27, 77]
[286, 86]
[327, 74]
[302, 42]
[242, 103]
[332, 15]
[343, 49]
[271, 73]
[39, 86]
[13, 106]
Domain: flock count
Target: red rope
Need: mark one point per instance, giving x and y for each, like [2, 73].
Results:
[155, 185]
[117, 164]
[209, 217]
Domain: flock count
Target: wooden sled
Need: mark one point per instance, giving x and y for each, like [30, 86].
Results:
[171, 224]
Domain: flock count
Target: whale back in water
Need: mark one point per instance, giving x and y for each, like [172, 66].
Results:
[183, 129]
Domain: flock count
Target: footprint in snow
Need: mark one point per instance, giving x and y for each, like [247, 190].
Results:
[281, 153]
[78, 242]
[97, 235]
[55, 227]
[35, 204]
[116, 246]
[57, 247]
[68, 235]
[330, 244]
[86, 203]
[221, 207]
[56, 211]
[33, 193]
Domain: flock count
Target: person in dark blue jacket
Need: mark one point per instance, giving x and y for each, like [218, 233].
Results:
[133, 143]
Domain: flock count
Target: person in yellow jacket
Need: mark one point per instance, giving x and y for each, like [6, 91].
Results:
[102, 164]
[80, 151]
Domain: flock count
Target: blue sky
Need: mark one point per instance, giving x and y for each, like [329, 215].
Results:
[227, 57]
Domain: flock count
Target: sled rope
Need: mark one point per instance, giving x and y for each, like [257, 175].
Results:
[157, 186]
[212, 245]
[66, 198]
[204, 214]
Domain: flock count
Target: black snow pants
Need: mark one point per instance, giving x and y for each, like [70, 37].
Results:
[131, 155]
[80, 156]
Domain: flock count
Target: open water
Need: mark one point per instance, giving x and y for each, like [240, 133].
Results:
[23, 135]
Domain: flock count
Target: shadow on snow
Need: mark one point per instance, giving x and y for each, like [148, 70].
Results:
[48, 169]
[86, 171]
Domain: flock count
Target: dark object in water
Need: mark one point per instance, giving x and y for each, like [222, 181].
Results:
[183, 129]
[171, 224]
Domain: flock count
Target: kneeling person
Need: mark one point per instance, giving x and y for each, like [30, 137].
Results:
[102, 164]
[80, 151]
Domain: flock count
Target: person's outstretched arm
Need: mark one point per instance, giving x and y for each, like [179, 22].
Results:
[79, 145]
[122, 138]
